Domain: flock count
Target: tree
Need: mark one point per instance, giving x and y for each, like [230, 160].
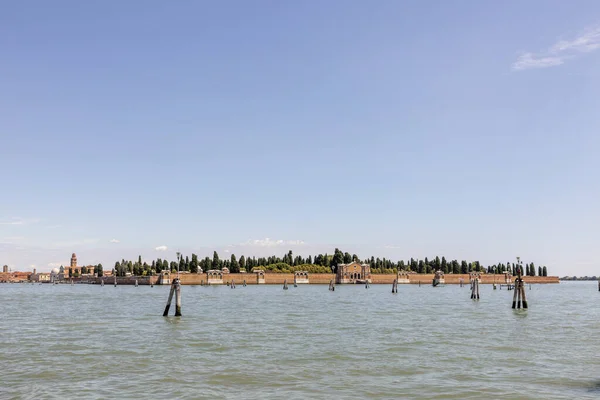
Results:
[531, 269]
[70, 272]
[354, 258]
[243, 263]
[234, 266]
[100, 270]
[540, 271]
[401, 265]
[194, 264]
[216, 263]
[347, 258]
[444, 265]
[338, 258]
[544, 271]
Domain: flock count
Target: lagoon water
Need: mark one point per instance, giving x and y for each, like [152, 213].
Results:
[261, 342]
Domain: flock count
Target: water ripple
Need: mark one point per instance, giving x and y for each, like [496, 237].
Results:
[261, 342]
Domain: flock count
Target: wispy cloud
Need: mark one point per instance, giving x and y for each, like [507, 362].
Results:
[11, 239]
[272, 243]
[161, 248]
[54, 264]
[563, 50]
[18, 221]
[53, 226]
[114, 241]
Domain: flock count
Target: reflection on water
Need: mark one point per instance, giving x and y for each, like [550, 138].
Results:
[261, 342]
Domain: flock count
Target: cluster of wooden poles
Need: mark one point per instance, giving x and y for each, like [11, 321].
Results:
[519, 298]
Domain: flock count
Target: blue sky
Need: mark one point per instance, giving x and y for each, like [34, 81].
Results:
[391, 128]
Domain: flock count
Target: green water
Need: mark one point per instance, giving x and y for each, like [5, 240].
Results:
[262, 342]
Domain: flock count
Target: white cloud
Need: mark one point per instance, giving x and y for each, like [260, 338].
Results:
[161, 248]
[272, 243]
[54, 264]
[559, 52]
[114, 241]
[18, 221]
[11, 239]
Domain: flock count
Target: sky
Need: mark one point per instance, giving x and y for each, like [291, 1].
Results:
[465, 129]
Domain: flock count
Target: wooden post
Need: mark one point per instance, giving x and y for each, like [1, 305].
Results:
[519, 296]
[395, 286]
[102, 282]
[523, 296]
[244, 284]
[419, 283]
[331, 285]
[514, 304]
[178, 299]
[285, 286]
[475, 289]
[115, 280]
[169, 300]
[136, 283]
[232, 284]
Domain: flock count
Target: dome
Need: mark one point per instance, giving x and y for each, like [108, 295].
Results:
[55, 270]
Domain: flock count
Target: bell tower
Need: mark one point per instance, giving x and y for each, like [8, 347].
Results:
[73, 261]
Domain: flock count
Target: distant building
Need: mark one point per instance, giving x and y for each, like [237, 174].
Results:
[5, 269]
[354, 272]
[75, 270]
[41, 277]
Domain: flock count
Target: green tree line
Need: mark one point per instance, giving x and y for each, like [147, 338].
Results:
[319, 263]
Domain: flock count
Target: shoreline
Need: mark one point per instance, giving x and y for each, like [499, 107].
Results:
[313, 279]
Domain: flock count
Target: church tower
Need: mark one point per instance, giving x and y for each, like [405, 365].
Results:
[73, 261]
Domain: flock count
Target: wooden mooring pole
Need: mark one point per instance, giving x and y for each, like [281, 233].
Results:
[232, 284]
[285, 286]
[331, 285]
[395, 286]
[519, 297]
[475, 289]
[175, 289]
